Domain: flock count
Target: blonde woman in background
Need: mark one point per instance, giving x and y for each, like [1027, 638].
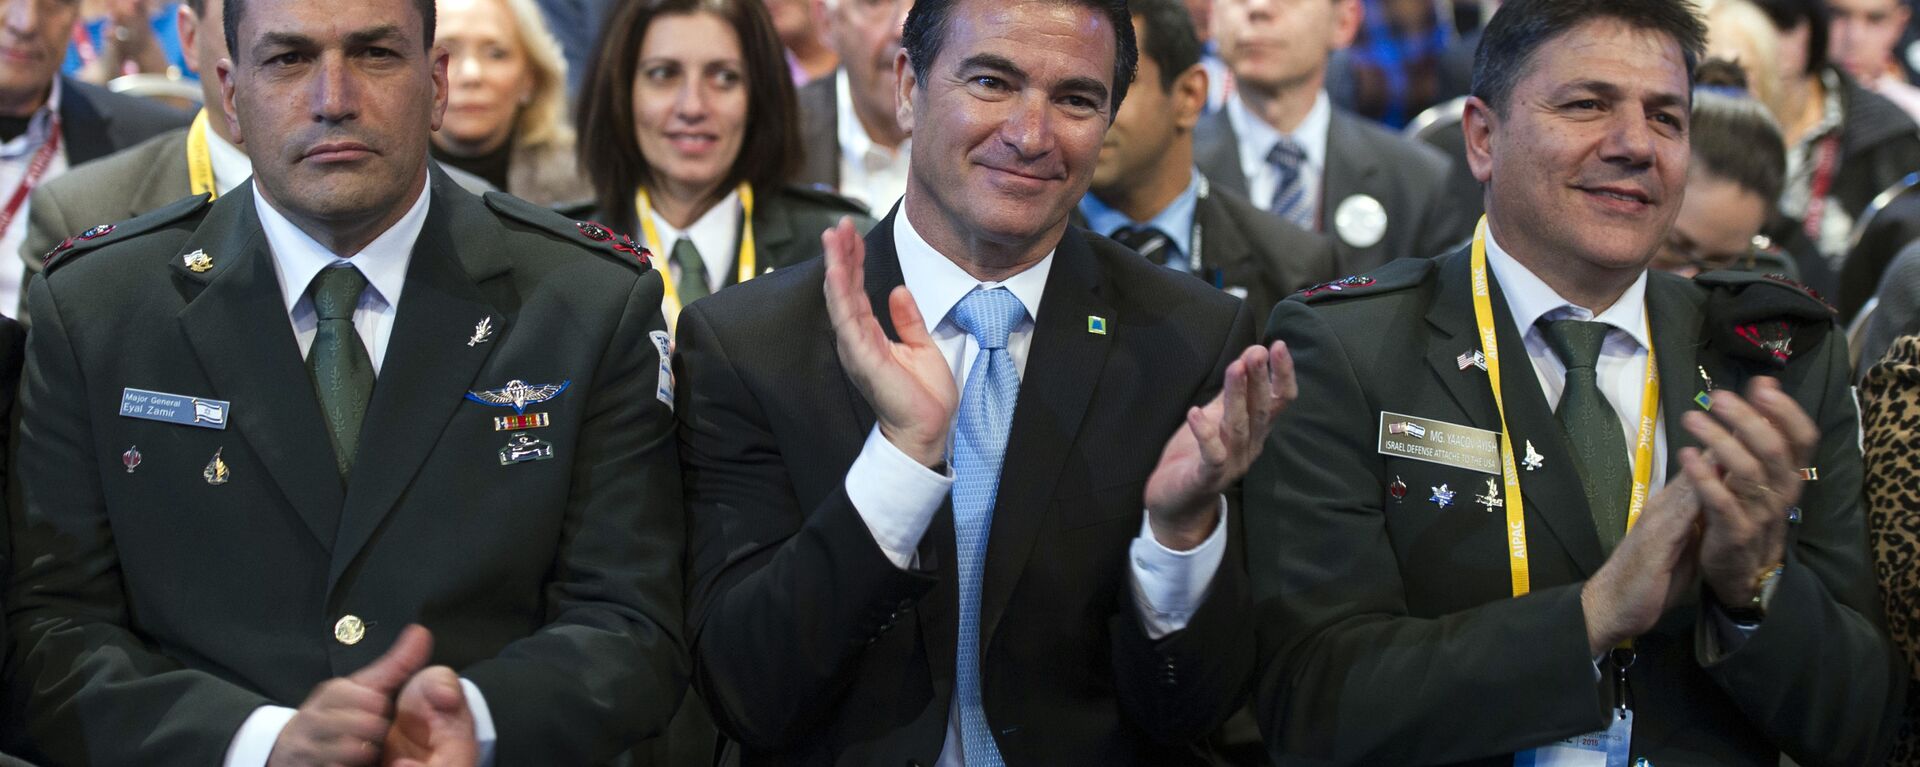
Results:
[506, 116]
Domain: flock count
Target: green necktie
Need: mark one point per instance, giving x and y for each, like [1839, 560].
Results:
[693, 272]
[342, 371]
[1593, 427]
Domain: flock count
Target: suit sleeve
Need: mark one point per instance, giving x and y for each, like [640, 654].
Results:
[609, 667]
[84, 688]
[1346, 675]
[784, 598]
[1187, 683]
[47, 225]
[1820, 675]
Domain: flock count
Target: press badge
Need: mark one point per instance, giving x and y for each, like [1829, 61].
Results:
[1602, 748]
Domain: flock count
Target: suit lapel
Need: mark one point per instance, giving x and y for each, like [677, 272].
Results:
[1223, 245]
[1350, 170]
[1063, 366]
[1675, 314]
[427, 367]
[772, 230]
[237, 325]
[83, 124]
[1216, 152]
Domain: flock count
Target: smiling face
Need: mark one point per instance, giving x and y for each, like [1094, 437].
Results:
[1586, 164]
[33, 44]
[335, 102]
[1007, 126]
[488, 71]
[690, 102]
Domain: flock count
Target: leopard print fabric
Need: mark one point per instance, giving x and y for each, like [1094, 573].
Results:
[1890, 422]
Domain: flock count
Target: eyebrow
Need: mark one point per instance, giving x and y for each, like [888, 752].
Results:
[356, 39]
[1609, 90]
[1002, 64]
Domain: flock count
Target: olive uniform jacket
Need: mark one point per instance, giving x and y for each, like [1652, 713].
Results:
[159, 597]
[787, 223]
[1388, 632]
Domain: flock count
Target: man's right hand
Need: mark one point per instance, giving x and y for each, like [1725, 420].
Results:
[1653, 565]
[907, 382]
[345, 720]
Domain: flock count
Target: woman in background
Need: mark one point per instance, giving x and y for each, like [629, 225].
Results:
[690, 132]
[507, 101]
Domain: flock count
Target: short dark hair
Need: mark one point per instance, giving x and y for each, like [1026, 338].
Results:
[1734, 137]
[1787, 14]
[925, 34]
[230, 21]
[1167, 37]
[769, 152]
[1521, 27]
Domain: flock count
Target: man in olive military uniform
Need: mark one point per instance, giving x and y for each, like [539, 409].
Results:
[1538, 505]
[266, 435]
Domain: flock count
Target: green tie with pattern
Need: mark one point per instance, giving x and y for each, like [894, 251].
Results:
[1593, 427]
[693, 272]
[342, 371]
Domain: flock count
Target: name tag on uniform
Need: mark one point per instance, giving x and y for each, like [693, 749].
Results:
[174, 408]
[1602, 748]
[1447, 444]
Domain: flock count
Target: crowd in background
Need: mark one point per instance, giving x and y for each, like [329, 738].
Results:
[1267, 147]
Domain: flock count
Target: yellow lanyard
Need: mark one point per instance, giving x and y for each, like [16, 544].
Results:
[1516, 509]
[643, 208]
[199, 158]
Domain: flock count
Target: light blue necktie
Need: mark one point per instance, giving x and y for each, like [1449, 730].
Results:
[1290, 194]
[979, 448]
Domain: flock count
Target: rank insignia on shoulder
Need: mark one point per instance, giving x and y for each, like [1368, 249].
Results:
[1336, 286]
[518, 394]
[593, 231]
[98, 231]
[619, 242]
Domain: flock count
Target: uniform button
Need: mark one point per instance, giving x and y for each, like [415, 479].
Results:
[349, 630]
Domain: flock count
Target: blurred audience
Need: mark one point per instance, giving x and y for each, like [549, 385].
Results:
[50, 122]
[848, 125]
[808, 56]
[506, 118]
[1738, 31]
[1147, 195]
[1890, 441]
[1282, 142]
[1845, 144]
[689, 132]
[1862, 35]
[125, 37]
[1396, 59]
[1219, 78]
[1736, 173]
[576, 25]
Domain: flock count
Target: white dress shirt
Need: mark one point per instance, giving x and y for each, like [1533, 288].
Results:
[230, 165]
[872, 174]
[897, 496]
[297, 259]
[1257, 138]
[15, 157]
[715, 234]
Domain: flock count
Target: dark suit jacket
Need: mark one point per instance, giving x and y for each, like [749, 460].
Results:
[154, 610]
[1388, 634]
[1409, 180]
[96, 122]
[813, 648]
[820, 133]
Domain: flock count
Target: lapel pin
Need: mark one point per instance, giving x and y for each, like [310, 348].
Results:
[1397, 489]
[482, 331]
[1534, 459]
[518, 394]
[216, 471]
[1096, 325]
[1810, 474]
[198, 261]
[1491, 499]
[523, 448]
[131, 458]
[1703, 398]
[1442, 496]
[522, 422]
[1472, 358]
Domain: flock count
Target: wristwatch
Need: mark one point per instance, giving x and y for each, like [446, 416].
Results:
[1755, 610]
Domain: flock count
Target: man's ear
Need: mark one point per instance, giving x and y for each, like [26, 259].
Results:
[1189, 97]
[903, 93]
[224, 70]
[440, 88]
[1479, 122]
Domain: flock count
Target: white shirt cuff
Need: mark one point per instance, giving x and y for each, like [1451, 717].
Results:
[1168, 585]
[253, 742]
[484, 735]
[895, 496]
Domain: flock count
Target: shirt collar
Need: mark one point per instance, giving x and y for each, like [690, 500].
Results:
[1257, 137]
[39, 127]
[712, 233]
[230, 165]
[1175, 220]
[855, 144]
[937, 283]
[1529, 298]
[297, 257]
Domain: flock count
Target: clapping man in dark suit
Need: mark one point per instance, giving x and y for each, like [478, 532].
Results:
[1147, 195]
[1540, 505]
[973, 507]
[261, 436]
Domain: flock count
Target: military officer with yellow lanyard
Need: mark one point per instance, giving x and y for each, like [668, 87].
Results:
[1538, 505]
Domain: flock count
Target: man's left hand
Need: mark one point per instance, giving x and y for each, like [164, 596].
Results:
[1213, 449]
[1757, 444]
[432, 726]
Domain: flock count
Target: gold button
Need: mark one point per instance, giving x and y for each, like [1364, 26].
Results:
[349, 630]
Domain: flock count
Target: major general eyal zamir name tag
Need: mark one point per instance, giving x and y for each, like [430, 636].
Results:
[174, 408]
